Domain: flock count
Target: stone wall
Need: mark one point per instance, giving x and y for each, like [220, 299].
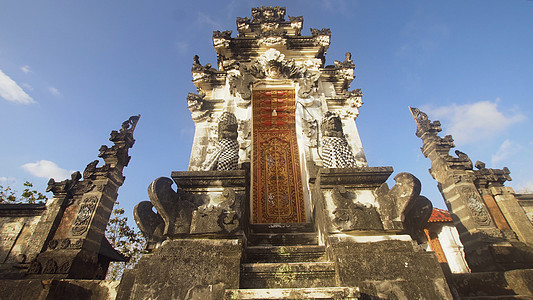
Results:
[17, 225]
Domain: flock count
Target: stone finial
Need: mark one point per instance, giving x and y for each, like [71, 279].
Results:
[265, 14]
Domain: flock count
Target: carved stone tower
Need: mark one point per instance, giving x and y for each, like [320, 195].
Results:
[273, 79]
[279, 201]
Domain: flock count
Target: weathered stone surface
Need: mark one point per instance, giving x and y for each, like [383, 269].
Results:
[64, 289]
[185, 269]
[208, 203]
[389, 269]
[295, 293]
[516, 282]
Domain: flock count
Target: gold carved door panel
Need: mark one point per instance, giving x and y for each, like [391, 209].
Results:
[277, 193]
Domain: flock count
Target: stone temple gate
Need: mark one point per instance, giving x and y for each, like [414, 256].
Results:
[278, 201]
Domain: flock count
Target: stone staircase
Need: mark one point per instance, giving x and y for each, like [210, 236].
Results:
[284, 261]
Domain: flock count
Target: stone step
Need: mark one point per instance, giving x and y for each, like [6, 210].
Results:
[282, 227]
[287, 275]
[501, 297]
[294, 293]
[282, 239]
[267, 253]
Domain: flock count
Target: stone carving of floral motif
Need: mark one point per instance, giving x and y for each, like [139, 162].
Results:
[84, 215]
[476, 206]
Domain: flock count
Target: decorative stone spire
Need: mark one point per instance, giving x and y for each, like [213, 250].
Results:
[73, 228]
[484, 212]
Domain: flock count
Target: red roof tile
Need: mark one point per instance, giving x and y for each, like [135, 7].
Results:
[440, 215]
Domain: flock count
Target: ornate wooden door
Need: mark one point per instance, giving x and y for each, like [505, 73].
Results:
[277, 194]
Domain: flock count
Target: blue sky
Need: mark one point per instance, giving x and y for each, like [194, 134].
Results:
[72, 71]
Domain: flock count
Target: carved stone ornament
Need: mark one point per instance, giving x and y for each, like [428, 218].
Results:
[239, 83]
[177, 217]
[297, 23]
[476, 206]
[195, 105]
[271, 36]
[322, 36]
[336, 153]
[50, 267]
[351, 214]
[221, 39]
[272, 64]
[219, 215]
[83, 219]
[35, 267]
[199, 71]
[352, 104]
[268, 14]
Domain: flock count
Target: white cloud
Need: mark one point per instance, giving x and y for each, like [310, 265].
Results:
[26, 69]
[54, 91]
[47, 169]
[473, 122]
[506, 150]
[11, 91]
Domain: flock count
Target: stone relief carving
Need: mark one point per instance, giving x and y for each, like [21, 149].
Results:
[310, 130]
[476, 206]
[226, 154]
[351, 214]
[244, 139]
[85, 213]
[336, 153]
[272, 64]
[239, 83]
[271, 35]
[177, 216]
[217, 215]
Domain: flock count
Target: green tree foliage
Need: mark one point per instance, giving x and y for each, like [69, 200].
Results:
[129, 241]
[29, 194]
